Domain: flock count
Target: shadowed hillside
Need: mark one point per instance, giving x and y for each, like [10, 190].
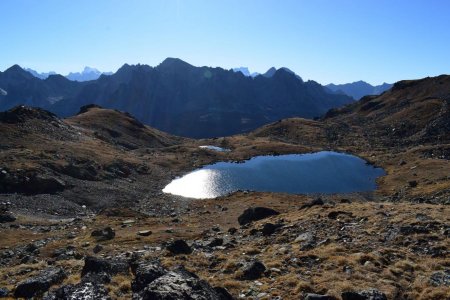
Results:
[177, 97]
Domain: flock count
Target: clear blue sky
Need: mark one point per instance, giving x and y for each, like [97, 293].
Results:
[326, 40]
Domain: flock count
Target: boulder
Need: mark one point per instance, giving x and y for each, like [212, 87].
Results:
[269, 228]
[6, 217]
[104, 234]
[253, 270]
[97, 248]
[315, 202]
[215, 242]
[80, 291]
[223, 293]
[145, 273]
[256, 213]
[440, 278]
[4, 292]
[311, 296]
[108, 266]
[179, 247]
[38, 285]
[144, 232]
[371, 294]
[178, 285]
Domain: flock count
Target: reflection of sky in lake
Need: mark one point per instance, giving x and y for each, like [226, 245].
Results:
[321, 172]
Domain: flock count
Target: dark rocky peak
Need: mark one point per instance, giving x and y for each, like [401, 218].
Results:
[126, 72]
[23, 113]
[173, 63]
[285, 73]
[16, 71]
[269, 73]
[57, 78]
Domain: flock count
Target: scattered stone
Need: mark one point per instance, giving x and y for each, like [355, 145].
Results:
[371, 294]
[311, 296]
[144, 232]
[129, 222]
[413, 229]
[178, 284]
[179, 247]
[6, 217]
[317, 201]
[38, 285]
[145, 273]
[4, 292]
[104, 234]
[80, 291]
[253, 270]
[108, 266]
[256, 213]
[441, 278]
[334, 214]
[232, 230]
[269, 228]
[412, 183]
[97, 248]
[215, 242]
[223, 293]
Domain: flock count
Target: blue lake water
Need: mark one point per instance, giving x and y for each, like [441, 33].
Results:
[321, 172]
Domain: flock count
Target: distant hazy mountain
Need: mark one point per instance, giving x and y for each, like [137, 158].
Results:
[246, 71]
[177, 97]
[86, 75]
[359, 89]
[40, 75]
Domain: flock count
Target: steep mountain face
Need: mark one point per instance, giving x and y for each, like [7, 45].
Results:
[40, 75]
[20, 87]
[359, 89]
[87, 74]
[246, 71]
[179, 98]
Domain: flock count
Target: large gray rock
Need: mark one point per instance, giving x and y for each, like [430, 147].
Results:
[104, 234]
[440, 278]
[179, 247]
[371, 294]
[6, 216]
[256, 213]
[39, 284]
[319, 297]
[108, 266]
[146, 273]
[178, 285]
[80, 291]
[253, 270]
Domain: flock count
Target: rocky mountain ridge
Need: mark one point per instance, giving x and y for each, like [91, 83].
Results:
[177, 97]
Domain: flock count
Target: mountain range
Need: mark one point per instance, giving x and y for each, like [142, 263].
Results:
[359, 89]
[177, 97]
[87, 74]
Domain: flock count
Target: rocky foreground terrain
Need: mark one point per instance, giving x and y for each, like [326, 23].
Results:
[83, 216]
